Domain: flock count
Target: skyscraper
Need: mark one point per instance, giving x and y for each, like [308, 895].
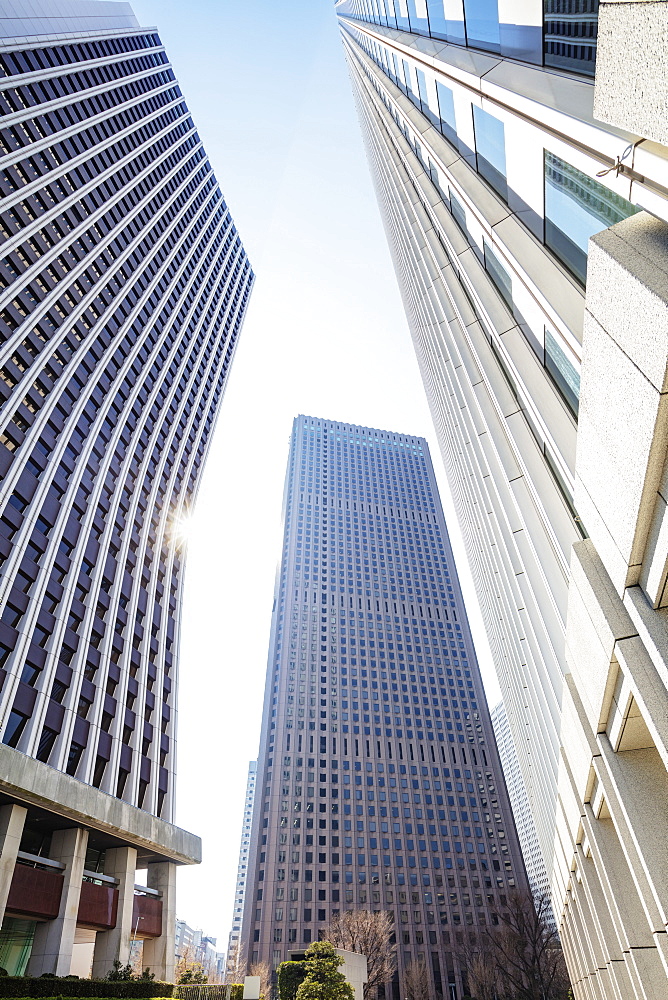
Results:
[234, 952]
[512, 146]
[379, 786]
[517, 793]
[124, 286]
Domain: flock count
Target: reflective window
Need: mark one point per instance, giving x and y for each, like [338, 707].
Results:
[446, 20]
[490, 146]
[570, 34]
[407, 80]
[424, 98]
[417, 10]
[563, 371]
[498, 274]
[446, 109]
[482, 24]
[458, 212]
[577, 207]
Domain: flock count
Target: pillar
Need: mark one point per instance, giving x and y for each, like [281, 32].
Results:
[54, 939]
[12, 820]
[159, 953]
[120, 863]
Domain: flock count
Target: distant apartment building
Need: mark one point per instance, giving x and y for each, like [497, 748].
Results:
[520, 156]
[123, 286]
[196, 950]
[235, 957]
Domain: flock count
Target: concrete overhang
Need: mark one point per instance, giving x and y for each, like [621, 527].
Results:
[58, 799]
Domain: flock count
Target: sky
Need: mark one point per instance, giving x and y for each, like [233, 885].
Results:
[325, 335]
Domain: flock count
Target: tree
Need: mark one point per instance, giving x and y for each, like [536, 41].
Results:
[262, 970]
[189, 970]
[523, 952]
[193, 975]
[323, 980]
[367, 934]
[290, 977]
[120, 973]
[416, 980]
[235, 967]
[481, 972]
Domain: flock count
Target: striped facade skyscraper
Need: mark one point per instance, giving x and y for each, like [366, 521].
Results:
[235, 957]
[517, 793]
[123, 289]
[379, 785]
[513, 146]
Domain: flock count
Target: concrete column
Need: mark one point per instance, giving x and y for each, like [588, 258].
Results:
[631, 74]
[119, 863]
[159, 953]
[12, 819]
[54, 939]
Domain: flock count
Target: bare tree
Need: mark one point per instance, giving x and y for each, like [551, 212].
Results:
[481, 972]
[262, 970]
[188, 966]
[416, 980]
[524, 953]
[367, 934]
[235, 965]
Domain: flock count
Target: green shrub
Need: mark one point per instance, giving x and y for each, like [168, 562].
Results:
[290, 977]
[323, 981]
[214, 991]
[211, 991]
[18, 987]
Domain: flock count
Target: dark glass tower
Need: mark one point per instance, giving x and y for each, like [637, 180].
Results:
[123, 285]
[379, 785]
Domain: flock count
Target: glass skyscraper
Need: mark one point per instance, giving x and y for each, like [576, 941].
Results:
[123, 285]
[512, 146]
[378, 785]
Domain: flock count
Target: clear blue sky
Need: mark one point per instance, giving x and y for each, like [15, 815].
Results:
[325, 335]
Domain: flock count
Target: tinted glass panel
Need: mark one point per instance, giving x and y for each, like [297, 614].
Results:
[490, 145]
[577, 207]
[458, 212]
[498, 274]
[446, 20]
[446, 107]
[482, 24]
[562, 370]
[570, 34]
[417, 10]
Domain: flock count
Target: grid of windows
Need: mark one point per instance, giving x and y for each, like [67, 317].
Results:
[123, 285]
[565, 39]
[378, 779]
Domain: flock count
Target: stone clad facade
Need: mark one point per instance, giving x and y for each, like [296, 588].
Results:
[519, 156]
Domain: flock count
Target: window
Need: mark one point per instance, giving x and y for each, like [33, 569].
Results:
[46, 742]
[446, 110]
[490, 147]
[443, 24]
[458, 212]
[564, 373]
[570, 35]
[74, 757]
[424, 99]
[14, 729]
[482, 24]
[576, 207]
[498, 274]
